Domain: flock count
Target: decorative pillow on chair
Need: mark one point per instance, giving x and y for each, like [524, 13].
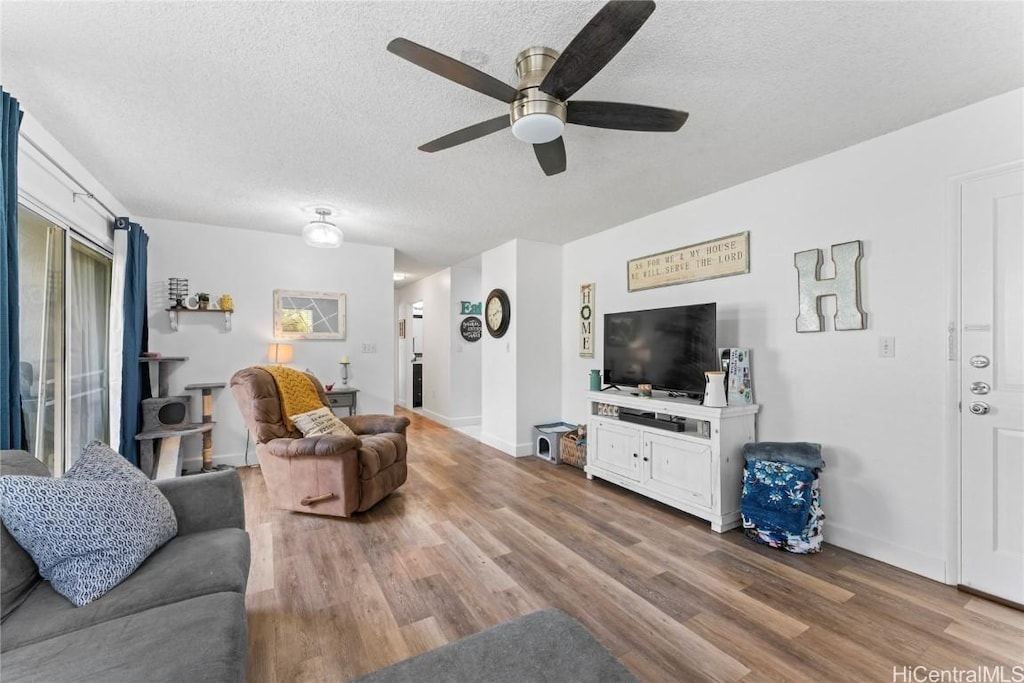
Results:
[90, 529]
[320, 422]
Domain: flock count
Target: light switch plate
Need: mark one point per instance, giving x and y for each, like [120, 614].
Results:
[887, 347]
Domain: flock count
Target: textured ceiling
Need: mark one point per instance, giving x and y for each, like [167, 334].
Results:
[243, 113]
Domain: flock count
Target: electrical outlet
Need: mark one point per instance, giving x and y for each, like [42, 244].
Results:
[887, 347]
[369, 348]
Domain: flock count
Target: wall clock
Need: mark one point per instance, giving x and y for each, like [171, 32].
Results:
[497, 312]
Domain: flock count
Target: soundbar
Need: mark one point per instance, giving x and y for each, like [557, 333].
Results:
[649, 420]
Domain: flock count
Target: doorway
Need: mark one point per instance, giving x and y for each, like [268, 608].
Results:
[990, 386]
[417, 354]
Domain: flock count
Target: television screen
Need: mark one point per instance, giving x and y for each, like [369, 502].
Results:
[668, 348]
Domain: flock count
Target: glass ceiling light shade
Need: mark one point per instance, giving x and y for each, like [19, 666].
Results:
[322, 234]
[538, 128]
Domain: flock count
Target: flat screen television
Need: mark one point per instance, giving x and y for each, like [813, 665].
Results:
[668, 348]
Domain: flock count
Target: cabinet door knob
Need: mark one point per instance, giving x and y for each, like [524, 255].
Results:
[635, 455]
[645, 458]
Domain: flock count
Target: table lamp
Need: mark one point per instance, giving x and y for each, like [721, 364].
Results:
[279, 353]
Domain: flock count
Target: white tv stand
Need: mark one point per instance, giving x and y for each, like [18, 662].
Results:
[698, 470]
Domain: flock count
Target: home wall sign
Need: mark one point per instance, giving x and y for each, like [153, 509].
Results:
[587, 320]
[470, 308]
[845, 287]
[722, 257]
[471, 329]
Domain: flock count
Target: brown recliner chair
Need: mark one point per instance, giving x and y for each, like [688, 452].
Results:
[325, 475]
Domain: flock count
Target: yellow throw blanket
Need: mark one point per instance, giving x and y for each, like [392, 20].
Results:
[298, 395]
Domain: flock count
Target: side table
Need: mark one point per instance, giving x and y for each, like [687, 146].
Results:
[343, 397]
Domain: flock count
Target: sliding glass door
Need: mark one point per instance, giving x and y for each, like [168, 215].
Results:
[87, 359]
[41, 246]
[64, 287]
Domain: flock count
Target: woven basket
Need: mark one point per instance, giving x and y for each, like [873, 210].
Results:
[572, 452]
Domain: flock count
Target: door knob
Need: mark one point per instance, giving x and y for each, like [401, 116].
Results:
[978, 407]
[980, 388]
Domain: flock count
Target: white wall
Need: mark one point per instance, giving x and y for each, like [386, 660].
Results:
[249, 266]
[880, 421]
[538, 367]
[521, 369]
[497, 356]
[465, 356]
[43, 186]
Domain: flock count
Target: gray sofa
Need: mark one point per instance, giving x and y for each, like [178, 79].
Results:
[179, 617]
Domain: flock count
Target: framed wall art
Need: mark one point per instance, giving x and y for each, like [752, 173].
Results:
[309, 315]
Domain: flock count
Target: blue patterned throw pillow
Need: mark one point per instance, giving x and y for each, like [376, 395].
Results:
[90, 529]
[99, 462]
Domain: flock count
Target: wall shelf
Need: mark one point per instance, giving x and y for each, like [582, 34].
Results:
[172, 314]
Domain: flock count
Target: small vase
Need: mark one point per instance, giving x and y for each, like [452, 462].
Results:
[595, 380]
[714, 391]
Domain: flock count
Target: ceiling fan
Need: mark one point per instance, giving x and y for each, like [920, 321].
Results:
[539, 106]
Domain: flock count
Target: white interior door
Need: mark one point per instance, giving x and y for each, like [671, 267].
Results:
[992, 386]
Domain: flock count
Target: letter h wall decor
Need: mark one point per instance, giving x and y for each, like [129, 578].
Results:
[844, 286]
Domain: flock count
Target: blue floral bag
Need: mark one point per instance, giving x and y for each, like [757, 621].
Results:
[781, 505]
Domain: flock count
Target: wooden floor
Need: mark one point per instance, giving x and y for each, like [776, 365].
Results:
[476, 538]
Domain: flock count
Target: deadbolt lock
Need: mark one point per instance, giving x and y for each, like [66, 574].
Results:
[980, 388]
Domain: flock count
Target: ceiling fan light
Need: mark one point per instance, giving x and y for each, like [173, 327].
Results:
[322, 235]
[538, 128]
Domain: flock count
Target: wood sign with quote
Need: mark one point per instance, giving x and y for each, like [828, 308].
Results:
[587, 320]
[721, 257]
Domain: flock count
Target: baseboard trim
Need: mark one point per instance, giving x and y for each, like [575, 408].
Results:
[930, 566]
[464, 421]
[988, 596]
[436, 417]
[451, 421]
[504, 446]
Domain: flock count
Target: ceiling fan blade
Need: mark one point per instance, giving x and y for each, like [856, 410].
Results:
[551, 156]
[477, 130]
[595, 45]
[623, 116]
[452, 69]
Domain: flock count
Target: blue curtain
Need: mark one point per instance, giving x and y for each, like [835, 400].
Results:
[134, 382]
[12, 435]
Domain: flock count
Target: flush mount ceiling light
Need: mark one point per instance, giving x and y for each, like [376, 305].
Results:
[536, 116]
[400, 276]
[322, 234]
